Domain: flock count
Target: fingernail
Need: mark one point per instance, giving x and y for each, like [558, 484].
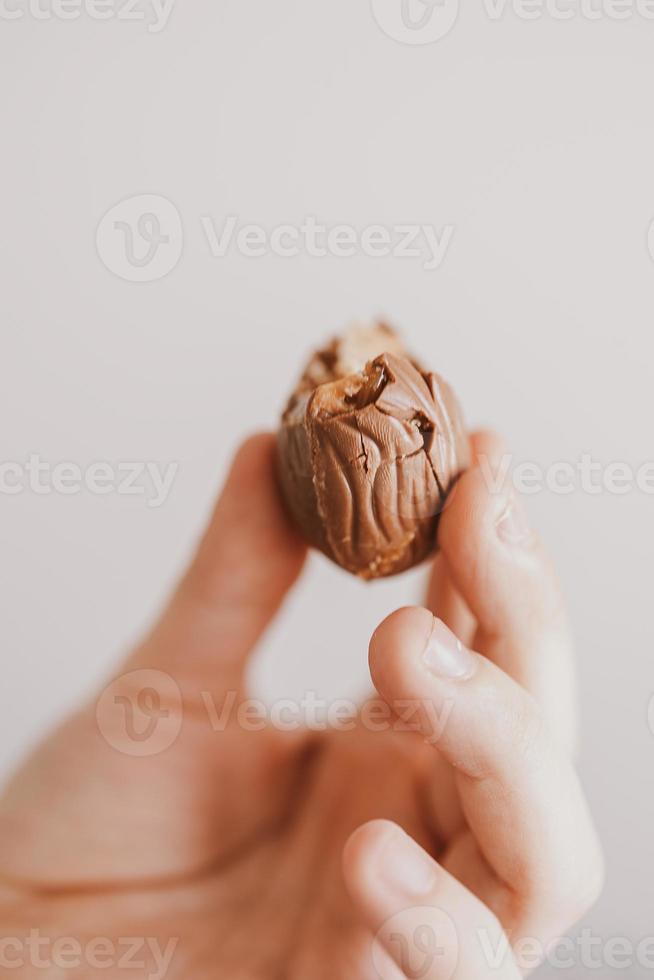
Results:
[512, 526]
[446, 656]
[405, 867]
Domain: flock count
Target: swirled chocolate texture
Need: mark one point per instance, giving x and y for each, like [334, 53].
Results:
[369, 447]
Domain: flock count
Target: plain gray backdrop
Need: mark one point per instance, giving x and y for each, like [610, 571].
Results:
[532, 139]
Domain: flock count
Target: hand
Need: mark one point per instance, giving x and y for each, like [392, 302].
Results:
[249, 854]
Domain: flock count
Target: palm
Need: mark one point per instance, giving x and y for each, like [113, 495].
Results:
[274, 902]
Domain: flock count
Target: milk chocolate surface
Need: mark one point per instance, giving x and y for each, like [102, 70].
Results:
[370, 445]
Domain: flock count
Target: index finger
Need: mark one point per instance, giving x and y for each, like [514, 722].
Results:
[528, 848]
[498, 565]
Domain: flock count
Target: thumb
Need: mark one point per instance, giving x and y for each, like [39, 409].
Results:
[246, 562]
[137, 784]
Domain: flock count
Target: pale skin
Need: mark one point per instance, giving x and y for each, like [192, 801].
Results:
[263, 855]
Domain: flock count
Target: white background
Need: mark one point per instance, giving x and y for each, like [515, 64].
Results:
[535, 140]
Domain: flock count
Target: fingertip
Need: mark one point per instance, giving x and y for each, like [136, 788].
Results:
[469, 517]
[254, 472]
[488, 444]
[479, 497]
[383, 865]
[403, 894]
[253, 453]
[252, 475]
[496, 559]
[250, 499]
[362, 849]
[249, 555]
[403, 634]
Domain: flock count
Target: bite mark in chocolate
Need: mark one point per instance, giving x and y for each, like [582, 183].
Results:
[369, 447]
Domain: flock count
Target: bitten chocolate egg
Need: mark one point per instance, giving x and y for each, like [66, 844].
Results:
[369, 446]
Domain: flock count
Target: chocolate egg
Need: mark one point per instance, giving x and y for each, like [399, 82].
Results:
[369, 446]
